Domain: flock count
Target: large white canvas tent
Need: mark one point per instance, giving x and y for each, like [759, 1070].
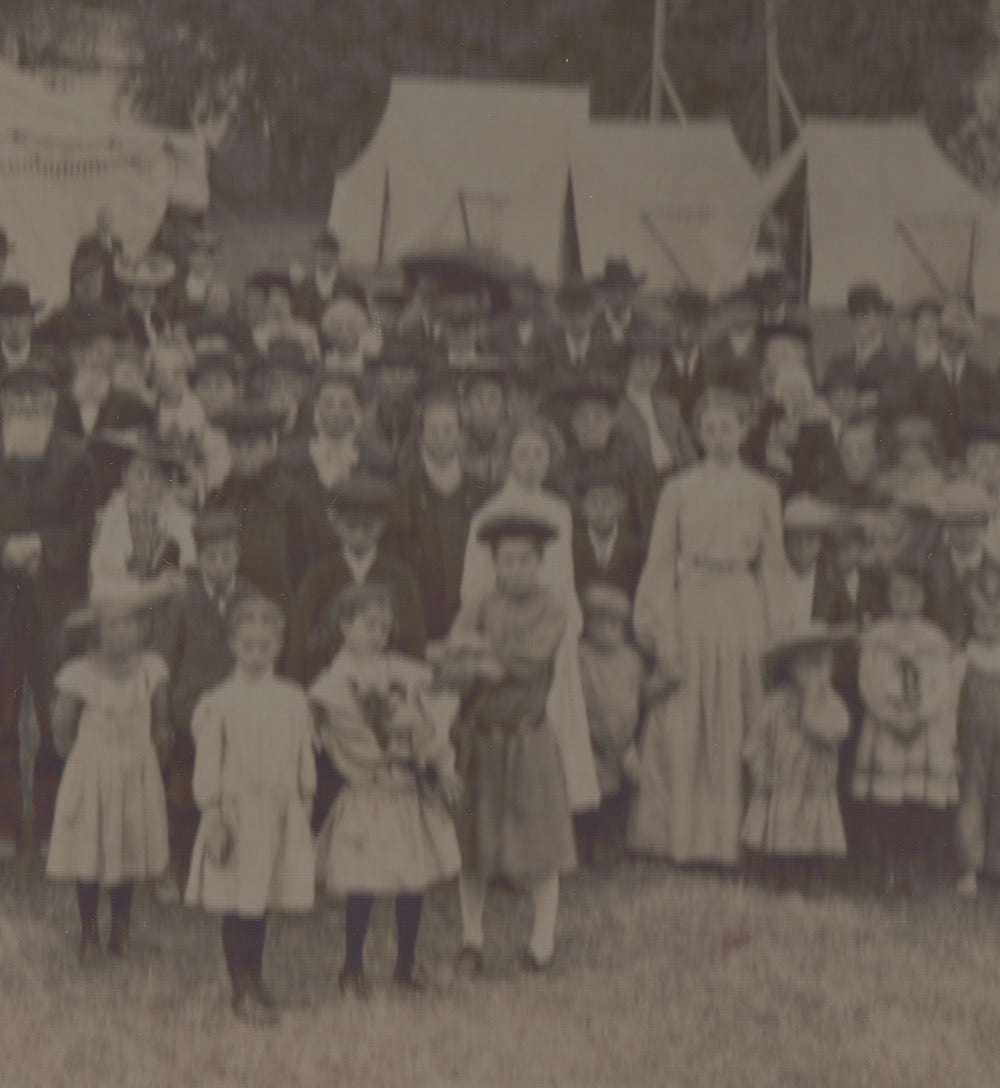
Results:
[463, 162]
[59, 165]
[676, 200]
[884, 203]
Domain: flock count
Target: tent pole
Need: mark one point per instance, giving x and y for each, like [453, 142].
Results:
[773, 76]
[679, 268]
[659, 78]
[383, 226]
[465, 217]
[911, 245]
[970, 272]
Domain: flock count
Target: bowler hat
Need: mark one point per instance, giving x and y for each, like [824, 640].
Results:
[138, 442]
[575, 294]
[328, 240]
[249, 418]
[810, 636]
[618, 276]
[37, 371]
[866, 298]
[515, 525]
[215, 524]
[15, 300]
[363, 493]
[148, 271]
[604, 599]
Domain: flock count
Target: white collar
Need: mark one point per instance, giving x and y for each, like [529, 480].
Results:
[577, 348]
[215, 595]
[359, 566]
[603, 549]
[953, 368]
[13, 361]
[444, 479]
[325, 282]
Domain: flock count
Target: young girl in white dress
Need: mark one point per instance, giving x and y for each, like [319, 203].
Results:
[701, 612]
[111, 719]
[535, 444]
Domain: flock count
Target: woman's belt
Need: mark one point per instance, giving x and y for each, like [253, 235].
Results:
[708, 565]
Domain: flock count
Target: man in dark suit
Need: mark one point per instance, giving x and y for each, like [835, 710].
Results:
[734, 360]
[956, 390]
[519, 334]
[883, 381]
[109, 247]
[684, 376]
[603, 548]
[46, 521]
[6, 248]
[618, 288]
[141, 279]
[325, 283]
[185, 302]
[17, 323]
[576, 344]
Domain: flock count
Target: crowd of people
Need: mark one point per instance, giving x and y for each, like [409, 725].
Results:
[484, 580]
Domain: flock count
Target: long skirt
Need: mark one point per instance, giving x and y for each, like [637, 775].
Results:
[689, 802]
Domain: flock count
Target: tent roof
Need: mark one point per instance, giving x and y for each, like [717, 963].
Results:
[885, 203]
[671, 198]
[31, 110]
[491, 154]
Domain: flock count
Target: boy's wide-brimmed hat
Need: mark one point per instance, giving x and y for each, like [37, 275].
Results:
[139, 442]
[866, 298]
[605, 599]
[600, 474]
[327, 239]
[249, 418]
[36, 373]
[618, 276]
[592, 385]
[203, 240]
[963, 501]
[790, 329]
[364, 493]
[516, 525]
[215, 524]
[120, 599]
[16, 300]
[147, 271]
[809, 637]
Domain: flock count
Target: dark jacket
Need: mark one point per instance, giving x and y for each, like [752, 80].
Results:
[312, 639]
[952, 407]
[623, 569]
[685, 387]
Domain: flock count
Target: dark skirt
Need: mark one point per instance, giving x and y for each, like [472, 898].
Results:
[514, 819]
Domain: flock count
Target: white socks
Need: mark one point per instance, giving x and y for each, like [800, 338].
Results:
[544, 900]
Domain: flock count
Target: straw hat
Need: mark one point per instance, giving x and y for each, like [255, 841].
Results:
[117, 600]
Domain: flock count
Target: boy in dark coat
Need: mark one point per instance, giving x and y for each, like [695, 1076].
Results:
[483, 449]
[273, 540]
[194, 642]
[358, 514]
[433, 511]
[604, 550]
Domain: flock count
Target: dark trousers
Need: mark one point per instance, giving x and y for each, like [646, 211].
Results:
[183, 815]
[243, 946]
[359, 910]
[600, 833]
[86, 899]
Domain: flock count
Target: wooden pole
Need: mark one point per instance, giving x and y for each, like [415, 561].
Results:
[655, 83]
[773, 81]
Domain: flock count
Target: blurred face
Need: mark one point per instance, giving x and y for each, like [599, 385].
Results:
[358, 533]
[279, 304]
[368, 632]
[120, 636]
[859, 454]
[983, 462]
[843, 400]
[255, 646]
[145, 482]
[802, 550]
[867, 327]
[914, 457]
[218, 560]
[813, 666]
[127, 376]
[850, 551]
[326, 260]
[28, 413]
[781, 352]
[529, 459]
[92, 374]
[741, 338]
[517, 562]
[484, 407]
[578, 322]
[890, 533]
[926, 327]
[216, 390]
[965, 536]
[170, 374]
[15, 331]
[687, 335]
[619, 299]
[952, 345]
[284, 390]
[395, 383]
[986, 626]
[440, 432]
[591, 424]
[906, 596]
[644, 370]
[201, 263]
[89, 287]
[336, 411]
[721, 432]
[255, 303]
[605, 632]
[460, 336]
[602, 508]
[250, 453]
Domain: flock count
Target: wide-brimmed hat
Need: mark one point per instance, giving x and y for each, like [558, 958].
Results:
[592, 385]
[957, 320]
[147, 271]
[515, 524]
[810, 636]
[249, 417]
[119, 599]
[141, 442]
[215, 523]
[618, 276]
[364, 493]
[16, 300]
[808, 514]
[605, 599]
[37, 372]
[575, 294]
[604, 473]
[867, 298]
[790, 329]
[203, 240]
[340, 375]
[327, 239]
[267, 279]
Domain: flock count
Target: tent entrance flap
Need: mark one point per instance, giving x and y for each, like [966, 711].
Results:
[940, 252]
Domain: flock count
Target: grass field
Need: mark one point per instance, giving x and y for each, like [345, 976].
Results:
[661, 978]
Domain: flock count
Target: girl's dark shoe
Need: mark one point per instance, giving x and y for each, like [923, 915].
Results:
[414, 978]
[469, 962]
[90, 943]
[118, 941]
[532, 964]
[352, 983]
